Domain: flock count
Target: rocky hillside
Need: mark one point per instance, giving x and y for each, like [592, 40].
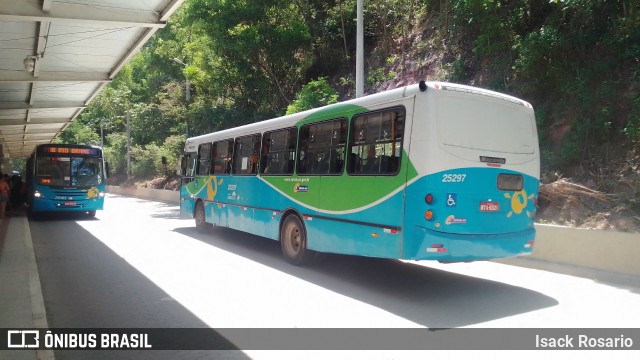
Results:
[590, 161]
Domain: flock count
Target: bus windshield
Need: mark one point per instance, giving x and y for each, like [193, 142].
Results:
[69, 171]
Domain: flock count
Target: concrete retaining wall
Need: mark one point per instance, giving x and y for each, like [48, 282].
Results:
[169, 196]
[592, 249]
[602, 250]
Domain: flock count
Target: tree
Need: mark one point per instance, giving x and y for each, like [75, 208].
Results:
[78, 134]
[262, 49]
[315, 94]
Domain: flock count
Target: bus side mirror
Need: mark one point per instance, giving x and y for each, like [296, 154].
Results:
[106, 170]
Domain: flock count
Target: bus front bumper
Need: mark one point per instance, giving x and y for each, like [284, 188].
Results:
[50, 205]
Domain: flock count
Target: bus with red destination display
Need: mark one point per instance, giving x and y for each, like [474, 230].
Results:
[66, 178]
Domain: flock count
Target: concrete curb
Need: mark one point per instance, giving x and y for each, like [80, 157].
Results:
[21, 301]
[35, 288]
[608, 251]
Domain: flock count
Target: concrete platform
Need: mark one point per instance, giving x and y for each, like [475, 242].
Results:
[21, 303]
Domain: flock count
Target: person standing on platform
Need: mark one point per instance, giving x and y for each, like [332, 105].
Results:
[5, 191]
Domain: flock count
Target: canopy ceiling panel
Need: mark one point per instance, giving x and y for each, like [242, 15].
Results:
[53, 112]
[56, 56]
[12, 128]
[10, 114]
[14, 91]
[73, 91]
[47, 127]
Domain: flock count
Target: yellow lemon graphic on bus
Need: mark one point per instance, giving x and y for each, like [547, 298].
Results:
[519, 201]
[93, 193]
[212, 190]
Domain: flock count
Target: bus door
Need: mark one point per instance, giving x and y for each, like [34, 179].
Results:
[187, 175]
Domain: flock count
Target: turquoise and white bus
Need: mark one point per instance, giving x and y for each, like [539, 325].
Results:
[64, 178]
[433, 171]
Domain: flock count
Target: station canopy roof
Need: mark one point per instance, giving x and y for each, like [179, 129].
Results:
[56, 56]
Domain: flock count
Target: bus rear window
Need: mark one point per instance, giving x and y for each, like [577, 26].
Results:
[476, 123]
[510, 182]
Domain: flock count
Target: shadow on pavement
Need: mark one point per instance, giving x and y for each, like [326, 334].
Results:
[86, 285]
[431, 297]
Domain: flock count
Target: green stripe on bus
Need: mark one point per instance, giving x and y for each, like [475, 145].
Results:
[340, 193]
[332, 112]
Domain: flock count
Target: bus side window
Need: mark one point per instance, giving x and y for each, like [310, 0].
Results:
[246, 155]
[186, 170]
[375, 143]
[322, 147]
[182, 165]
[190, 164]
[221, 157]
[204, 159]
[354, 163]
[277, 152]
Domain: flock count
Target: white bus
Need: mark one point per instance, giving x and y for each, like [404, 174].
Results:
[432, 171]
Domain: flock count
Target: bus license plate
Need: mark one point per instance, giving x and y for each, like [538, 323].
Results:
[489, 206]
[69, 203]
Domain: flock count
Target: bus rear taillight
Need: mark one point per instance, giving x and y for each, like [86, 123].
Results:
[428, 215]
[428, 199]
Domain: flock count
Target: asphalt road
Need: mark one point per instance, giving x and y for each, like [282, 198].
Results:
[139, 265]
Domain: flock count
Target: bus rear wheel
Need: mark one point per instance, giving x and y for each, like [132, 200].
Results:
[293, 240]
[201, 221]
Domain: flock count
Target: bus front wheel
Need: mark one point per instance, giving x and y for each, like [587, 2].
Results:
[293, 240]
[201, 222]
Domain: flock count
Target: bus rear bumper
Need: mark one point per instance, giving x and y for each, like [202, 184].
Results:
[426, 244]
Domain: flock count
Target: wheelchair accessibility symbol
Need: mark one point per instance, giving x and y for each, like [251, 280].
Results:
[451, 199]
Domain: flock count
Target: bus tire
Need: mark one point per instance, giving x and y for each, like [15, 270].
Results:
[201, 222]
[293, 240]
[91, 213]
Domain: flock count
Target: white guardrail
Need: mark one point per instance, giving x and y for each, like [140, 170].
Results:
[608, 251]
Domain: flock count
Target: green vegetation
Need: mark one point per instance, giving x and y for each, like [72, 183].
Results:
[315, 94]
[576, 61]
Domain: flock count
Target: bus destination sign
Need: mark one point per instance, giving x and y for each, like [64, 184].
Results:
[69, 151]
